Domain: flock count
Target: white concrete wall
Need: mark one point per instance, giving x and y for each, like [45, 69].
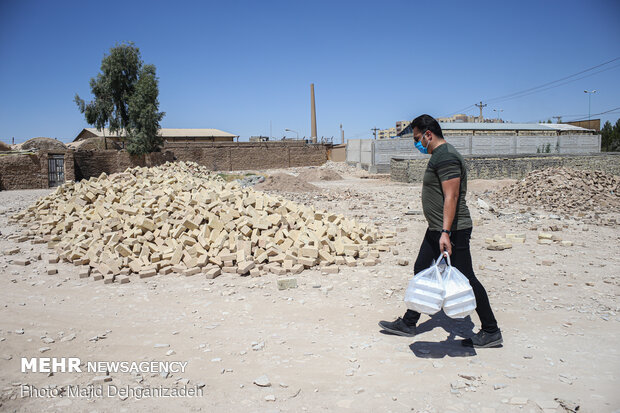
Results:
[376, 154]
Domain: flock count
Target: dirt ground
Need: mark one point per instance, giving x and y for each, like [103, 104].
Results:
[319, 345]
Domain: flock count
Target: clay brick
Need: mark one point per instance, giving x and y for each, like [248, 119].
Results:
[297, 268]
[165, 270]
[286, 283]
[307, 262]
[123, 250]
[340, 260]
[213, 273]
[147, 273]
[84, 272]
[309, 252]
[331, 269]
[191, 271]
[245, 267]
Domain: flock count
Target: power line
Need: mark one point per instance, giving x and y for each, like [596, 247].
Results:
[583, 116]
[555, 81]
[546, 86]
[602, 113]
[558, 85]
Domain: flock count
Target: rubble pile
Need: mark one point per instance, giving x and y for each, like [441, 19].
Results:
[563, 190]
[282, 182]
[320, 174]
[182, 218]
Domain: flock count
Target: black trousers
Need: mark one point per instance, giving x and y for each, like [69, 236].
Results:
[461, 259]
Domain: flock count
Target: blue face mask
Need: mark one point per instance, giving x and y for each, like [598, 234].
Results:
[421, 147]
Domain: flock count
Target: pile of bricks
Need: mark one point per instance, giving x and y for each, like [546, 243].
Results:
[500, 243]
[182, 218]
[564, 190]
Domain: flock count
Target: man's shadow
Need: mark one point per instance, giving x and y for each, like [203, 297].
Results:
[451, 346]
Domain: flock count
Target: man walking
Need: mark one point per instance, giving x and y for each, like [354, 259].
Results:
[449, 228]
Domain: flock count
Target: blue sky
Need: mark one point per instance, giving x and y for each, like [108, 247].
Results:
[240, 66]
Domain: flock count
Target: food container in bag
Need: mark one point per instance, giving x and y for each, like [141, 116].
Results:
[425, 292]
[459, 300]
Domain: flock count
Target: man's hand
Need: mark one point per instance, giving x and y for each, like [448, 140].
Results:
[445, 244]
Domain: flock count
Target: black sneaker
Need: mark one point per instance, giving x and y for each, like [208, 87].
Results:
[398, 327]
[484, 340]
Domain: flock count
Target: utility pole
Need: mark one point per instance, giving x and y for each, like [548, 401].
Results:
[341, 134]
[559, 119]
[374, 130]
[589, 92]
[312, 114]
[480, 106]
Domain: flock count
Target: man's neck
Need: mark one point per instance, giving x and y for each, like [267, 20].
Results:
[437, 144]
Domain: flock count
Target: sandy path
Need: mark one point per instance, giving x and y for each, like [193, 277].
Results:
[319, 344]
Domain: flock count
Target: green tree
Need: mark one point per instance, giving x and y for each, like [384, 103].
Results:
[116, 89]
[144, 115]
[606, 136]
[615, 138]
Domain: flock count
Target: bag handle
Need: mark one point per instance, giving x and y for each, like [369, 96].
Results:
[447, 257]
[437, 264]
[444, 256]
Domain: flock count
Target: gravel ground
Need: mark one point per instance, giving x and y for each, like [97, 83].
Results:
[319, 344]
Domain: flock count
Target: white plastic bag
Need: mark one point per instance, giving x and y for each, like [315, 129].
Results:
[459, 300]
[425, 292]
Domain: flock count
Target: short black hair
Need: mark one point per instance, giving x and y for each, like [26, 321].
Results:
[427, 122]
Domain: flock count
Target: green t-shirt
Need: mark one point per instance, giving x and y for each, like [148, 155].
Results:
[445, 163]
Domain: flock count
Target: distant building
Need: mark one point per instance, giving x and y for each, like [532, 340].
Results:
[459, 117]
[462, 118]
[505, 129]
[401, 124]
[386, 133]
[259, 138]
[169, 135]
[588, 124]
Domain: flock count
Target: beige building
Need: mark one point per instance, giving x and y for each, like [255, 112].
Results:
[169, 135]
[386, 133]
[401, 124]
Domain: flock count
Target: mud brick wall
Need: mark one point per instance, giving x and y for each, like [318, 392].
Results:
[510, 166]
[19, 171]
[69, 166]
[94, 163]
[235, 156]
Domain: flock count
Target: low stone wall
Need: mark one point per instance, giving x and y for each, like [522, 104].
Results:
[30, 171]
[19, 171]
[221, 156]
[93, 163]
[509, 166]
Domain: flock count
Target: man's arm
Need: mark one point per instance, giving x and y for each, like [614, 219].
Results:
[451, 189]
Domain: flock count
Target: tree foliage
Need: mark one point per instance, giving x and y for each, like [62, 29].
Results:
[125, 100]
[610, 137]
[144, 115]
